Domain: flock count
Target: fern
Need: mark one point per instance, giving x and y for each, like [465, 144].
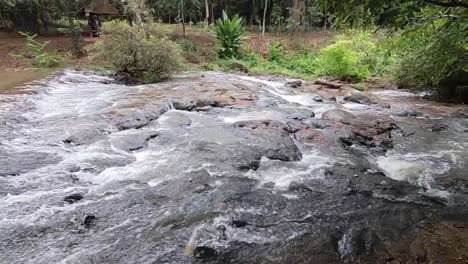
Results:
[37, 54]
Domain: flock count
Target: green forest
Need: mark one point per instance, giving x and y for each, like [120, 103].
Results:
[418, 44]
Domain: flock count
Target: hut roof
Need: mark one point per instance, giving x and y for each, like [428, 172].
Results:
[103, 7]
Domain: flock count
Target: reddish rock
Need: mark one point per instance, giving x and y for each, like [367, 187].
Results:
[310, 135]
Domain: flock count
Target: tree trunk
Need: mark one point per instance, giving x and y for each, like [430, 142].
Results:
[264, 17]
[207, 13]
[212, 14]
[138, 11]
[183, 19]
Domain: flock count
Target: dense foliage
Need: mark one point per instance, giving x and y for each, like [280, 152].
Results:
[141, 52]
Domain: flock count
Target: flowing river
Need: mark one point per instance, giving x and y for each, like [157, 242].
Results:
[223, 168]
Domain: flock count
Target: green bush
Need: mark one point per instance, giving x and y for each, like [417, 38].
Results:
[304, 62]
[144, 53]
[275, 51]
[36, 52]
[341, 61]
[230, 33]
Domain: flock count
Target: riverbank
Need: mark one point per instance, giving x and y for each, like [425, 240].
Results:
[11, 81]
[16, 71]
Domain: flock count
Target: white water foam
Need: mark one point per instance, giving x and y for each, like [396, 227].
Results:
[283, 174]
[417, 168]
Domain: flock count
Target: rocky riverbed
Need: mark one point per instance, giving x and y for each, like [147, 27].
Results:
[224, 168]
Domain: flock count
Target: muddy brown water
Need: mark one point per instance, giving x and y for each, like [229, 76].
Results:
[224, 168]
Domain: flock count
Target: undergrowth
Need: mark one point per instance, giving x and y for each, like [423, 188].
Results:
[355, 55]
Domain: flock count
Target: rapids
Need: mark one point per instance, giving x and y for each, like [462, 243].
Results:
[223, 168]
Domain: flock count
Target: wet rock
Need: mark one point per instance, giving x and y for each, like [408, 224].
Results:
[407, 113]
[202, 188]
[74, 168]
[204, 253]
[239, 67]
[369, 130]
[190, 104]
[73, 198]
[124, 78]
[359, 98]
[135, 118]
[319, 123]
[301, 114]
[83, 134]
[294, 84]
[252, 165]
[318, 99]
[239, 223]
[437, 127]
[358, 243]
[460, 113]
[132, 141]
[97, 164]
[89, 221]
[15, 163]
[384, 106]
[298, 187]
[262, 124]
[329, 83]
[203, 109]
[310, 135]
[295, 126]
[369, 125]
[337, 115]
[280, 146]
[418, 252]
[174, 119]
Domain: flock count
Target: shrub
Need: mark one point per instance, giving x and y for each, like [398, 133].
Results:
[36, 52]
[341, 61]
[144, 53]
[303, 62]
[275, 51]
[230, 33]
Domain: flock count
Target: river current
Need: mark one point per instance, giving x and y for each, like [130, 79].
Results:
[223, 168]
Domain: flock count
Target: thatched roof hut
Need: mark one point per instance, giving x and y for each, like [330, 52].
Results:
[102, 7]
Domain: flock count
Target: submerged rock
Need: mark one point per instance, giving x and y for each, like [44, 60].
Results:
[437, 127]
[73, 198]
